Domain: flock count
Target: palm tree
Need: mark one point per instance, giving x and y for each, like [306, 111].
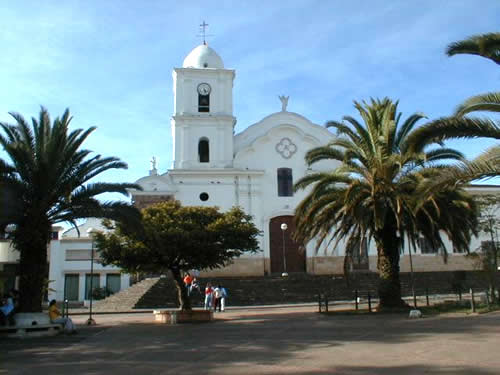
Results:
[485, 45]
[374, 193]
[486, 165]
[47, 181]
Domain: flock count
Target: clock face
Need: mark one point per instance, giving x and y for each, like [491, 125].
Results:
[204, 89]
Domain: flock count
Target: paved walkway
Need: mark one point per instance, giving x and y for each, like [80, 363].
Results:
[293, 340]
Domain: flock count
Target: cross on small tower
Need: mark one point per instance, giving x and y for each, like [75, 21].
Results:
[203, 28]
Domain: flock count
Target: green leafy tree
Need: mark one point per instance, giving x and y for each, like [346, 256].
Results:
[174, 238]
[489, 223]
[373, 192]
[45, 181]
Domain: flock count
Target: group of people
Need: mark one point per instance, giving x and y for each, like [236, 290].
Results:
[215, 297]
[9, 306]
[191, 284]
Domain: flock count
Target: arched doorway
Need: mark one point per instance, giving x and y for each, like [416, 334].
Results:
[295, 258]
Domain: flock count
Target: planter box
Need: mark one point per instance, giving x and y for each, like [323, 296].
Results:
[178, 316]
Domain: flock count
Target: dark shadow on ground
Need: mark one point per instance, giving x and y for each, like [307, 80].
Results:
[263, 340]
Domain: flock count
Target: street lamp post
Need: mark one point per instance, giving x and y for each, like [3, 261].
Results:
[284, 227]
[412, 279]
[91, 232]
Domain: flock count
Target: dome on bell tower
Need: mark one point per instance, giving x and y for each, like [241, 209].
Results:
[203, 57]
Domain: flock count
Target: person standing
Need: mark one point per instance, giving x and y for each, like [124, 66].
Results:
[195, 285]
[208, 296]
[187, 282]
[218, 297]
[223, 298]
[7, 311]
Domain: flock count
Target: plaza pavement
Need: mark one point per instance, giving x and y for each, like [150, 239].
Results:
[291, 340]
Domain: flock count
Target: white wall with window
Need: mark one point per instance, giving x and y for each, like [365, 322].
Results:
[70, 267]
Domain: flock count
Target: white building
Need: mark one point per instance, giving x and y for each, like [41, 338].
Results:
[70, 260]
[254, 169]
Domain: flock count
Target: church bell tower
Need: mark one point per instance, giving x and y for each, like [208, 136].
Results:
[203, 121]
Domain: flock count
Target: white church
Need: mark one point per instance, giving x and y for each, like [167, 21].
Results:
[255, 169]
[212, 166]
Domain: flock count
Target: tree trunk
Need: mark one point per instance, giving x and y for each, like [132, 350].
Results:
[389, 288]
[183, 298]
[31, 239]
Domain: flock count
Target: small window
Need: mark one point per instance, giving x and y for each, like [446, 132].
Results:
[487, 246]
[203, 151]
[204, 197]
[203, 103]
[54, 235]
[360, 255]
[285, 182]
[426, 246]
[458, 250]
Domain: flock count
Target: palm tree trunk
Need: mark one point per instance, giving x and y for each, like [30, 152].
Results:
[31, 240]
[389, 288]
[184, 300]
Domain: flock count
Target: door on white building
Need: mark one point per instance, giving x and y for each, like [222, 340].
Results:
[71, 287]
[290, 253]
[95, 284]
[113, 284]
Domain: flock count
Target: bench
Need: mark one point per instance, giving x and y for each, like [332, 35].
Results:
[31, 324]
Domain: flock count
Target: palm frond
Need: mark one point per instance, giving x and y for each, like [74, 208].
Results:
[485, 45]
[445, 128]
[489, 102]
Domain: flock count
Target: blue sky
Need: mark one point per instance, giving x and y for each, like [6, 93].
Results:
[111, 62]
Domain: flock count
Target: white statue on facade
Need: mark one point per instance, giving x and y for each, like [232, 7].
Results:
[153, 170]
[284, 102]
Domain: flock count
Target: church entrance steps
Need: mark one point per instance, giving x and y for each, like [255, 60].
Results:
[161, 293]
[126, 299]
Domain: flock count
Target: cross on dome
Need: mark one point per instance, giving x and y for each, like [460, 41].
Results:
[203, 29]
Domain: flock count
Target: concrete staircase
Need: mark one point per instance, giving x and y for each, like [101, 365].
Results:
[125, 300]
[296, 288]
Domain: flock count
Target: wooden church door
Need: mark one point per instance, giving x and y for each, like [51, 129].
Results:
[283, 248]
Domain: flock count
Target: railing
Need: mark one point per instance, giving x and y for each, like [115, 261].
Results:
[326, 300]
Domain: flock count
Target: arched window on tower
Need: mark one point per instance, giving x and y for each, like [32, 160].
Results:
[203, 150]
[285, 182]
[203, 103]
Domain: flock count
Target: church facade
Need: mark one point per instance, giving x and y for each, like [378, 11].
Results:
[255, 169]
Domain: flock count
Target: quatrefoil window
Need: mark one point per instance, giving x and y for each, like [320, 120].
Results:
[286, 148]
